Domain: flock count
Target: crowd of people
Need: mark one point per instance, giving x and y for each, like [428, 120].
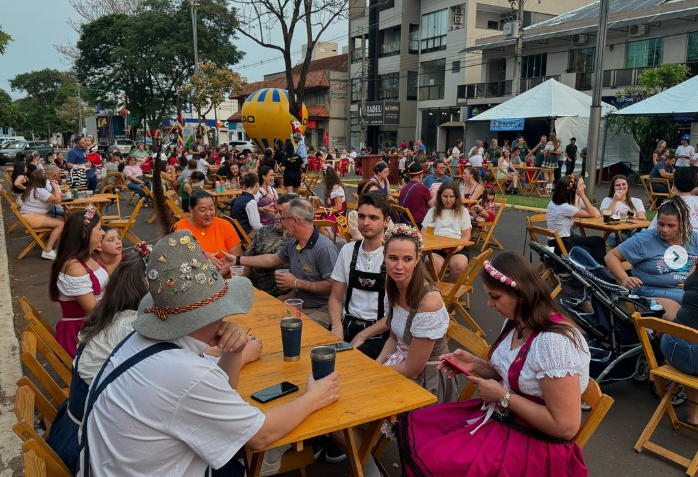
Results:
[129, 314]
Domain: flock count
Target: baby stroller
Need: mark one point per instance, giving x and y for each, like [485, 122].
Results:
[599, 307]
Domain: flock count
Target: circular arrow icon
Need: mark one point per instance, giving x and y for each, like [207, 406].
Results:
[676, 257]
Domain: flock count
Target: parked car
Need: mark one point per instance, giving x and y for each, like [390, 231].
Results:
[123, 145]
[245, 147]
[7, 154]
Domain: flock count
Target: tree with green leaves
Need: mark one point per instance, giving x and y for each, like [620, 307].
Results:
[647, 130]
[145, 59]
[10, 114]
[4, 40]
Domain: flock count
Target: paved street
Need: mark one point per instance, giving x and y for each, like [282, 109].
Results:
[610, 451]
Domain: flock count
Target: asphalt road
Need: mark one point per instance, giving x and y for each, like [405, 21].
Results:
[609, 453]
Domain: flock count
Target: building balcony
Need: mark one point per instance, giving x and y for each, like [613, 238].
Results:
[390, 49]
[497, 89]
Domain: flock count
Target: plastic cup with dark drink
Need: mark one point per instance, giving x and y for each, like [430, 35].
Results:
[606, 215]
[291, 330]
[322, 360]
[294, 307]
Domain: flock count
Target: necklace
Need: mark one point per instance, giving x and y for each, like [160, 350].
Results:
[519, 329]
[201, 231]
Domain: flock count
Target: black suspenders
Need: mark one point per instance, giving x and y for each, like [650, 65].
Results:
[355, 275]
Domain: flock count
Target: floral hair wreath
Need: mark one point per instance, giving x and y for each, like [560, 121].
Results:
[144, 249]
[90, 212]
[497, 275]
[406, 231]
[572, 181]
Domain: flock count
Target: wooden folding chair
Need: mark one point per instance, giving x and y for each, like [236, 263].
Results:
[549, 274]
[485, 230]
[245, 240]
[116, 200]
[643, 180]
[10, 200]
[124, 225]
[473, 343]
[32, 347]
[113, 183]
[171, 201]
[545, 272]
[34, 464]
[153, 213]
[27, 404]
[657, 196]
[45, 331]
[600, 404]
[403, 215]
[453, 292]
[659, 374]
[38, 234]
[328, 223]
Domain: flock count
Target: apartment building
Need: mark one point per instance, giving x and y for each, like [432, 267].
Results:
[642, 34]
[411, 52]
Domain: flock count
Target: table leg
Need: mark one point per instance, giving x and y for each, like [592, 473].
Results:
[353, 453]
[254, 463]
[582, 232]
[431, 267]
[370, 439]
[444, 267]
[618, 238]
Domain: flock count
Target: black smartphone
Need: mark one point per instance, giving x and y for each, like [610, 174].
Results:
[275, 391]
[343, 346]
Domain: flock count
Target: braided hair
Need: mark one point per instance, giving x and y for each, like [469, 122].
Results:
[165, 217]
[677, 207]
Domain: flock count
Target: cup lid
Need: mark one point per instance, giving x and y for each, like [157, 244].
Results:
[322, 353]
[291, 322]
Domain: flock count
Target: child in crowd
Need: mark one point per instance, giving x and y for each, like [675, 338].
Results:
[485, 210]
[109, 253]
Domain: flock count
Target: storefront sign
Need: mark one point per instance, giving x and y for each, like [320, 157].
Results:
[507, 124]
[311, 125]
[380, 113]
[391, 113]
[325, 139]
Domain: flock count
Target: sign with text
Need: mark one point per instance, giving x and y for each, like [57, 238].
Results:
[391, 113]
[507, 124]
[379, 113]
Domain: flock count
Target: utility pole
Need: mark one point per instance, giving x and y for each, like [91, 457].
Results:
[595, 113]
[194, 4]
[362, 113]
[518, 53]
[79, 110]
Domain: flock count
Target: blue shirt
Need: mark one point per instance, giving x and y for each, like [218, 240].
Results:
[302, 151]
[660, 165]
[645, 252]
[76, 156]
[431, 180]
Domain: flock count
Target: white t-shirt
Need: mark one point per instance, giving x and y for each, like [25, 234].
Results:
[455, 151]
[167, 423]
[363, 304]
[476, 158]
[684, 151]
[38, 204]
[401, 163]
[560, 218]
[202, 166]
[448, 225]
[622, 206]
[692, 203]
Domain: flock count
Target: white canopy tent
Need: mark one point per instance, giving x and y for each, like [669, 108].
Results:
[569, 109]
[681, 99]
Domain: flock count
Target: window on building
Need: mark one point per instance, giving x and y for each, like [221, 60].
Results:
[320, 97]
[434, 29]
[692, 50]
[533, 66]
[581, 60]
[414, 39]
[432, 77]
[412, 85]
[356, 90]
[455, 66]
[389, 86]
[492, 25]
[643, 53]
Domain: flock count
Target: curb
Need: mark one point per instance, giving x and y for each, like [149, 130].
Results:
[10, 369]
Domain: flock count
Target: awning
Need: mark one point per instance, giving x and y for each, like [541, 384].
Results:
[682, 99]
[452, 124]
[318, 111]
[235, 118]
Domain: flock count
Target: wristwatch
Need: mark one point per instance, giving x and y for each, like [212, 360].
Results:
[505, 400]
[237, 260]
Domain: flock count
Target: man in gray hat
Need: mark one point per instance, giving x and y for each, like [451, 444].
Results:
[312, 257]
[157, 407]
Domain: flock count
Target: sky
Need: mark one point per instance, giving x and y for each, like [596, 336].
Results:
[37, 25]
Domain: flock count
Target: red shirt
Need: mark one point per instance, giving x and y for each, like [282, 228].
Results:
[414, 197]
[148, 164]
[94, 158]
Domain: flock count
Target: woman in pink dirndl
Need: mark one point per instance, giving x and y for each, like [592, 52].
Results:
[529, 408]
[77, 280]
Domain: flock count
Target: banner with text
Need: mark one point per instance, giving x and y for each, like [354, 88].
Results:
[507, 124]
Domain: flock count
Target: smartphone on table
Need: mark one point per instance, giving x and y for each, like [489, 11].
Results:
[343, 346]
[455, 366]
[275, 391]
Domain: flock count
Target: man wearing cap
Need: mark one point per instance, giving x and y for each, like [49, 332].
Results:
[415, 196]
[684, 153]
[312, 257]
[157, 407]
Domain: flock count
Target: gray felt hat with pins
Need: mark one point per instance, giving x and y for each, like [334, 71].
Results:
[186, 290]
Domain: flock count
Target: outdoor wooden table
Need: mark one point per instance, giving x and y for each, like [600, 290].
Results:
[447, 244]
[359, 377]
[614, 227]
[226, 194]
[97, 200]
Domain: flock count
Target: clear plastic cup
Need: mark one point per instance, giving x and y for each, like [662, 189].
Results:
[282, 270]
[236, 270]
[294, 307]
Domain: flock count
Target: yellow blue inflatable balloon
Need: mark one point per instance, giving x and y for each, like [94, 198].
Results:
[265, 117]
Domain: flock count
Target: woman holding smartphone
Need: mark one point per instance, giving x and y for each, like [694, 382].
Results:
[529, 388]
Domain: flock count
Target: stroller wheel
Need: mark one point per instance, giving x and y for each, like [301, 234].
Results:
[679, 396]
[642, 370]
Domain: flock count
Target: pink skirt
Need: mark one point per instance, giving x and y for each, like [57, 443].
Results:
[436, 441]
[67, 334]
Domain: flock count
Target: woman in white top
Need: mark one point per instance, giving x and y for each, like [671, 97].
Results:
[449, 218]
[619, 201]
[36, 204]
[266, 196]
[561, 213]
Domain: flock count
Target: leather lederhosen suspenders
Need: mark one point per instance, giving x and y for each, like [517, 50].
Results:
[365, 281]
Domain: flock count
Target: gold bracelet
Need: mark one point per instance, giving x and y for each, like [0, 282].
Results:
[295, 285]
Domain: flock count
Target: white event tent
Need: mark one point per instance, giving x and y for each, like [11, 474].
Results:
[681, 99]
[569, 109]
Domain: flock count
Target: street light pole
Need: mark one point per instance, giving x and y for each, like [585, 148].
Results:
[518, 53]
[194, 4]
[595, 113]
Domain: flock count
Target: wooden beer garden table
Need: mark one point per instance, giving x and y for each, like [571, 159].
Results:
[615, 227]
[359, 377]
[97, 200]
[226, 194]
[449, 245]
